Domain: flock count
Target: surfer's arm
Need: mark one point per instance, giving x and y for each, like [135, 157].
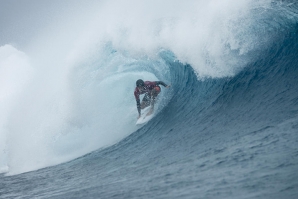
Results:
[137, 96]
[161, 83]
[139, 106]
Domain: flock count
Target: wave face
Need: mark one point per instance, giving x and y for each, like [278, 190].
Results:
[227, 127]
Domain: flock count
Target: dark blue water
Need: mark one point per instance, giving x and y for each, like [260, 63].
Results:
[232, 137]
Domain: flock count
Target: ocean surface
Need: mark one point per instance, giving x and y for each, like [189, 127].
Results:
[227, 127]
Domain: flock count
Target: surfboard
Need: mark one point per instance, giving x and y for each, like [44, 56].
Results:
[144, 117]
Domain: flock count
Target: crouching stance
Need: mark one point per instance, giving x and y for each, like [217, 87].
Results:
[151, 90]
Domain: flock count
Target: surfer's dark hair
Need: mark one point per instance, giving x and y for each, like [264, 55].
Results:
[140, 82]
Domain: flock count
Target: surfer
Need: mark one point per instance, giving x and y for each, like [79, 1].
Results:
[151, 90]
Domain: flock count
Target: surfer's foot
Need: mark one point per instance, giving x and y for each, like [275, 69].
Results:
[150, 112]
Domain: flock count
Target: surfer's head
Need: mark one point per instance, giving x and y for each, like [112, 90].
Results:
[140, 83]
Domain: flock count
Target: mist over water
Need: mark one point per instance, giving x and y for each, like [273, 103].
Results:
[69, 91]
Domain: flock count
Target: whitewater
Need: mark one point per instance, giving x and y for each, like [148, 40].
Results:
[226, 128]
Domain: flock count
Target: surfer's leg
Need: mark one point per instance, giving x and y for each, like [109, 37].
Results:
[153, 96]
[146, 101]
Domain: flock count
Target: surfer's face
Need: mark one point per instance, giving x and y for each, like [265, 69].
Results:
[140, 88]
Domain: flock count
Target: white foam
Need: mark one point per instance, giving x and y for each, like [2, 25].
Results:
[212, 36]
[15, 71]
